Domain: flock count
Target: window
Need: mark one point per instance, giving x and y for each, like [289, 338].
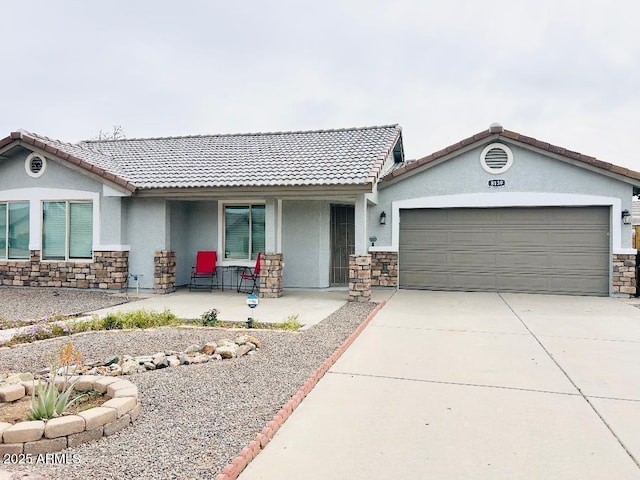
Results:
[14, 230]
[243, 231]
[67, 230]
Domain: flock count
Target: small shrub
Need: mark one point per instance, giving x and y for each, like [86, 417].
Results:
[148, 319]
[291, 323]
[210, 318]
[112, 322]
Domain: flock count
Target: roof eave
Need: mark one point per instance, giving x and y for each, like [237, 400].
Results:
[376, 169]
[78, 164]
[577, 159]
[281, 191]
[574, 158]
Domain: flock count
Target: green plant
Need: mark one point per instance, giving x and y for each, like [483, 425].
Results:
[143, 319]
[210, 318]
[118, 320]
[112, 322]
[291, 323]
[49, 401]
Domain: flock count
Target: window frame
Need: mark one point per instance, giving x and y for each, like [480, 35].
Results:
[67, 234]
[223, 229]
[4, 255]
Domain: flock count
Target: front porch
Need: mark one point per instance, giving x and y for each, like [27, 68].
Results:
[303, 243]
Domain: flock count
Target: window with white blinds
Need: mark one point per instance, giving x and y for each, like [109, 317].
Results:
[14, 230]
[243, 231]
[67, 230]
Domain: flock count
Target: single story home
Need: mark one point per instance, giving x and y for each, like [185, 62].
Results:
[497, 211]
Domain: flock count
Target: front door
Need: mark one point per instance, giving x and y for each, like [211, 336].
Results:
[343, 232]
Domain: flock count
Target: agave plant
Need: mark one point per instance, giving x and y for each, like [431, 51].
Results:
[46, 400]
[49, 402]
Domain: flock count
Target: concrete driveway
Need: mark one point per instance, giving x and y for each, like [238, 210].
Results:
[451, 385]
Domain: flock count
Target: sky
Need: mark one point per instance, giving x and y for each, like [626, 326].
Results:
[563, 71]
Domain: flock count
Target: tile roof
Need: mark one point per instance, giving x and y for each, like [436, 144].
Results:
[496, 132]
[323, 157]
[351, 156]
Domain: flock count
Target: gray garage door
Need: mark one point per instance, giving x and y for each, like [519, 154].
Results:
[535, 250]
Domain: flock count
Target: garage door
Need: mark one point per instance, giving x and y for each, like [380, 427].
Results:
[533, 250]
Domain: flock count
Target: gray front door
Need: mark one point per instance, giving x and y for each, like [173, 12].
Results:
[343, 233]
[561, 250]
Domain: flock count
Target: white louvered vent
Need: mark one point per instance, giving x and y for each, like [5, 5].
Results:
[496, 158]
[35, 165]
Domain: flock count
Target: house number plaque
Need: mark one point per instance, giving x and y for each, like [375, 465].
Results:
[497, 183]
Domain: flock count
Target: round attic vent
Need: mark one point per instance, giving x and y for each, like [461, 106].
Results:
[35, 165]
[496, 158]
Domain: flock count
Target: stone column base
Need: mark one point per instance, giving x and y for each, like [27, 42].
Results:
[271, 275]
[359, 278]
[164, 271]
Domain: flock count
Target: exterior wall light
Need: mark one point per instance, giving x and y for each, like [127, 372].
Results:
[626, 217]
[383, 218]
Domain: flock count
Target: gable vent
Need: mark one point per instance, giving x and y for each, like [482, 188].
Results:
[35, 165]
[496, 158]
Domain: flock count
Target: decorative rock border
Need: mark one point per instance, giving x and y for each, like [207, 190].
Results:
[233, 470]
[46, 436]
[117, 365]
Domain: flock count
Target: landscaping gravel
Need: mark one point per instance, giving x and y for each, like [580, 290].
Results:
[194, 418]
[21, 303]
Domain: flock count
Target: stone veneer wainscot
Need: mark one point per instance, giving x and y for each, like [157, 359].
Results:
[106, 271]
[624, 274]
[384, 269]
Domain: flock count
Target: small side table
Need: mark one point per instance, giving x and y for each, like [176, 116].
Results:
[226, 269]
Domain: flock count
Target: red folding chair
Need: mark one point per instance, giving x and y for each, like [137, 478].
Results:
[248, 275]
[204, 269]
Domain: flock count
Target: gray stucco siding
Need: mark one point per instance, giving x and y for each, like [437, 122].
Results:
[58, 183]
[14, 176]
[147, 232]
[531, 172]
[305, 243]
[111, 220]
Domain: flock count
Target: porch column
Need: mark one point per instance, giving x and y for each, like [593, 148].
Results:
[359, 278]
[361, 240]
[164, 271]
[271, 225]
[271, 275]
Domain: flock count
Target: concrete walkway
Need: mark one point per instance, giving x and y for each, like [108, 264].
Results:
[310, 306]
[450, 385]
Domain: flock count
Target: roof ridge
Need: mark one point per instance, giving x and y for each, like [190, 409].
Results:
[247, 134]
